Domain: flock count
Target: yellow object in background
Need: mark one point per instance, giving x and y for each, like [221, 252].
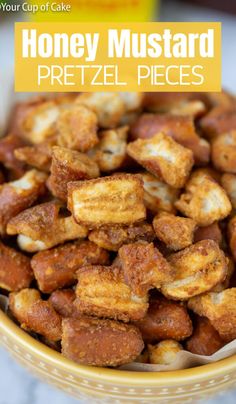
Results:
[97, 10]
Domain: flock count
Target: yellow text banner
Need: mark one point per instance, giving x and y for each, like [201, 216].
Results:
[118, 56]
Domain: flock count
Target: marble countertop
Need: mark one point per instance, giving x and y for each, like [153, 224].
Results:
[17, 386]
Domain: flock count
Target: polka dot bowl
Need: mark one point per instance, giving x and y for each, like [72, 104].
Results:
[98, 385]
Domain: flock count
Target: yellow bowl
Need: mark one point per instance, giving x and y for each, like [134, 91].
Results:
[98, 385]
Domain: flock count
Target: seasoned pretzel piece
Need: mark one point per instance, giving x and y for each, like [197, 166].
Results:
[38, 156]
[165, 319]
[35, 314]
[198, 269]
[175, 231]
[63, 302]
[16, 272]
[133, 101]
[166, 102]
[195, 108]
[115, 200]
[163, 157]
[77, 128]
[144, 267]
[110, 153]
[8, 144]
[223, 152]
[164, 353]
[109, 107]
[69, 165]
[27, 109]
[83, 338]
[180, 128]
[228, 182]
[229, 277]
[18, 195]
[219, 308]
[232, 236]
[112, 237]
[204, 200]
[56, 268]
[19, 114]
[42, 227]
[220, 119]
[40, 123]
[205, 340]
[210, 171]
[102, 292]
[158, 195]
[211, 232]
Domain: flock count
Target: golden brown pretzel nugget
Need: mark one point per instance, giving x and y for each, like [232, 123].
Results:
[204, 200]
[38, 156]
[62, 301]
[165, 319]
[175, 231]
[205, 340]
[144, 267]
[110, 153]
[113, 237]
[97, 342]
[40, 123]
[108, 106]
[198, 269]
[8, 144]
[210, 171]
[39, 113]
[223, 152]
[195, 109]
[16, 272]
[19, 114]
[220, 119]
[219, 308]
[180, 128]
[115, 200]
[35, 314]
[225, 284]
[158, 195]
[56, 268]
[165, 102]
[133, 100]
[77, 128]
[228, 182]
[164, 353]
[18, 195]
[69, 165]
[20, 302]
[102, 292]
[42, 227]
[161, 155]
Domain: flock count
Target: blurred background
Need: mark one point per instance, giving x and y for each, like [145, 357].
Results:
[16, 385]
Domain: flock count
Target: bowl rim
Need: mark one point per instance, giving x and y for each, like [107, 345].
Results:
[123, 377]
